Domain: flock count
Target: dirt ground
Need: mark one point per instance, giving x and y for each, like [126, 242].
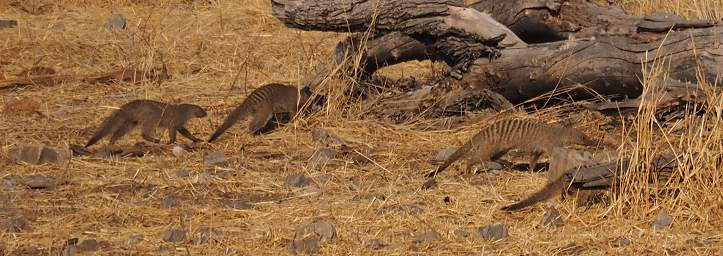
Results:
[216, 52]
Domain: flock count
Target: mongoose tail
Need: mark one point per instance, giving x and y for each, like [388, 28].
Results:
[107, 127]
[451, 159]
[543, 194]
[240, 112]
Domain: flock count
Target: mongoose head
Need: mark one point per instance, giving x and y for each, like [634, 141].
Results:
[193, 110]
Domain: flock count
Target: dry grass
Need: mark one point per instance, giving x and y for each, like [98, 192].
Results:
[217, 51]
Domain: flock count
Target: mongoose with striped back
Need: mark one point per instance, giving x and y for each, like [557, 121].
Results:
[502, 136]
[149, 115]
[262, 104]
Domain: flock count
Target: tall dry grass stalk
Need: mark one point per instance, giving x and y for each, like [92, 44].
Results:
[694, 143]
[703, 9]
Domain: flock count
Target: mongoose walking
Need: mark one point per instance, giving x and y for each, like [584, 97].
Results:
[148, 114]
[262, 104]
[499, 138]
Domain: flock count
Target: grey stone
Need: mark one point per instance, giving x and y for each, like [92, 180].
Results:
[443, 154]
[208, 235]
[8, 24]
[375, 244]
[38, 154]
[494, 232]
[306, 245]
[205, 177]
[321, 157]
[183, 173]
[169, 201]
[622, 242]
[296, 180]
[134, 239]
[16, 224]
[662, 221]
[174, 235]
[427, 236]
[307, 239]
[215, 158]
[492, 165]
[89, 245]
[39, 181]
[237, 204]
[327, 138]
[552, 217]
[115, 22]
[165, 249]
[461, 232]
[429, 184]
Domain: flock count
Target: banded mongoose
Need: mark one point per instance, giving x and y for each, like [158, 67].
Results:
[148, 114]
[262, 104]
[499, 138]
[583, 177]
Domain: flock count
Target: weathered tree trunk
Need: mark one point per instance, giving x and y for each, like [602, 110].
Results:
[609, 49]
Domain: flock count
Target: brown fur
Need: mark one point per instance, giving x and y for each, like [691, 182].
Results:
[149, 115]
[503, 136]
[262, 104]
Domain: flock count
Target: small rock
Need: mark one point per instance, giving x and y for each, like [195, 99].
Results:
[165, 249]
[208, 235]
[174, 236]
[413, 209]
[39, 181]
[322, 228]
[186, 215]
[15, 225]
[169, 201]
[237, 204]
[183, 173]
[8, 24]
[306, 245]
[215, 158]
[552, 217]
[115, 22]
[58, 26]
[461, 232]
[662, 221]
[370, 197]
[443, 154]
[492, 165]
[134, 239]
[427, 236]
[327, 138]
[308, 191]
[6, 198]
[205, 177]
[375, 244]
[622, 242]
[178, 151]
[89, 245]
[494, 232]
[297, 180]
[321, 157]
[38, 154]
[430, 184]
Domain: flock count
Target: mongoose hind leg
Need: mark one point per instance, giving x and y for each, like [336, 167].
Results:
[121, 131]
[533, 160]
[147, 132]
[185, 133]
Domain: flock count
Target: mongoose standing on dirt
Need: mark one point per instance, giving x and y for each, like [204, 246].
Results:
[262, 104]
[148, 114]
[503, 136]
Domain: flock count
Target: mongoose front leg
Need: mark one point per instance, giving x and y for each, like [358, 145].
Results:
[533, 161]
[188, 134]
[147, 131]
[171, 135]
[261, 117]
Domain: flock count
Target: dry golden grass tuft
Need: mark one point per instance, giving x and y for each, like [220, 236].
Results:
[217, 52]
